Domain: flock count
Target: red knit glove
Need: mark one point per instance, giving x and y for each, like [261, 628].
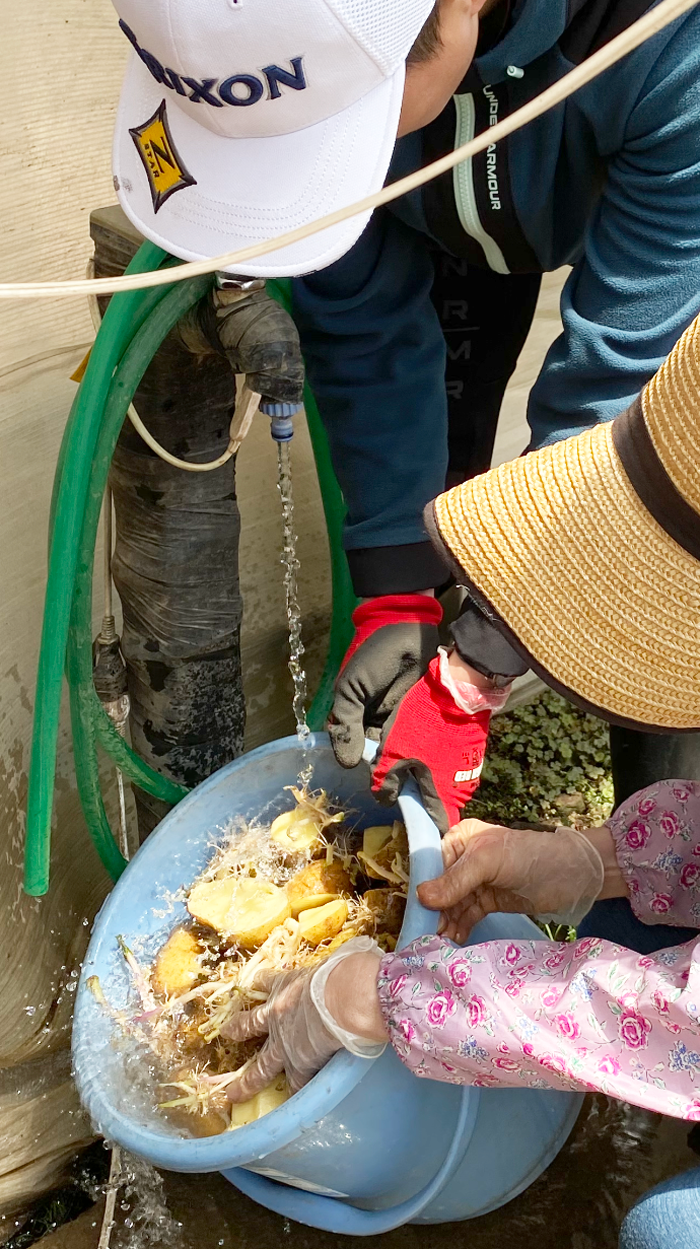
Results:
[442, 747]
[396, 636]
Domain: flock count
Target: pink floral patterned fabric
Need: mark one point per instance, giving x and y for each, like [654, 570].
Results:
[657, 843]
[590, 1015]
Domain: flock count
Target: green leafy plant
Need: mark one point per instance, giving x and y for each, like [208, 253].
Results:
[547, 763]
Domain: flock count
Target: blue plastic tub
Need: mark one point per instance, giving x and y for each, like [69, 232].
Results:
[366, 1146]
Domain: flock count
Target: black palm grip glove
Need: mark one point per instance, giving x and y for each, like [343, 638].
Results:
[396, 636]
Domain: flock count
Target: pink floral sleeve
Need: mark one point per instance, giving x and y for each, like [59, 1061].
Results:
[657, 843]
[589, 1015]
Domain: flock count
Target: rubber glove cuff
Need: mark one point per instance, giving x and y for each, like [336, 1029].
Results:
[391, 609]
[594, 879]
[356, 1045]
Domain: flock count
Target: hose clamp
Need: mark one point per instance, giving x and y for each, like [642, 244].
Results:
[236, 282]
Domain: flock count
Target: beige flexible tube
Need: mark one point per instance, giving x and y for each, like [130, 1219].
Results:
[246, 406]
[636, 34]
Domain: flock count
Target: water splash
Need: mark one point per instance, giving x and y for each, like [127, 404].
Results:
[147, 1222]
[290, 564]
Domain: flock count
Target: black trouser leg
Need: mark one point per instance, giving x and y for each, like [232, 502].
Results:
[485, 318]
[638, 760]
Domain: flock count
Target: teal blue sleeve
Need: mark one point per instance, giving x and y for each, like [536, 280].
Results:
[375, 359]
[637, 285]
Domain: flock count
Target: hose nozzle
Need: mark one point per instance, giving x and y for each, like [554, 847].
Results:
[280, 414]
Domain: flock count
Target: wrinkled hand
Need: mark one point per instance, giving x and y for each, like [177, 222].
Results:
[555, 876]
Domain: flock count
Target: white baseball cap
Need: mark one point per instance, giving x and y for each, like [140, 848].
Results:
[242, 119]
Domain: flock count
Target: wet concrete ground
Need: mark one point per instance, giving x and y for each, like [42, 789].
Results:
[614, 1154]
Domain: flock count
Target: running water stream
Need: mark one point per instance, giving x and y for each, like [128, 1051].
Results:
[290, 564]
[146, 1220]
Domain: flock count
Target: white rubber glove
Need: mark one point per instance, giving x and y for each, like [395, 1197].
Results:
[301, 1033]
[554, 876]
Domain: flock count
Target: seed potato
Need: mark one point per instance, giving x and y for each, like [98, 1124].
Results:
[276, 1094]
[316, 885]
[245, 910]
[321, 923]
[177, 967]
[388, 909]
[295, 832]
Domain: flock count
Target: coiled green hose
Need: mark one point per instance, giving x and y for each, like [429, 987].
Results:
[133, 328]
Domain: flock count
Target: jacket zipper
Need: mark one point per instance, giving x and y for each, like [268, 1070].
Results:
[465, 199]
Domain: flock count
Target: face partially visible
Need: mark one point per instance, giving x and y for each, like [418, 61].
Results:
[441, 58]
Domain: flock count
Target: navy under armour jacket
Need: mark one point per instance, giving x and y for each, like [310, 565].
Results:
[608, 182]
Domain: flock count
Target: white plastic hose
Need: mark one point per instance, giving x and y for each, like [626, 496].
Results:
[246, 406]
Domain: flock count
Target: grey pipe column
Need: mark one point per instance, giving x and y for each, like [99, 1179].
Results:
[176, 558]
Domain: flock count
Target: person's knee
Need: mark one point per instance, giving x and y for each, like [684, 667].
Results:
[667, 1217]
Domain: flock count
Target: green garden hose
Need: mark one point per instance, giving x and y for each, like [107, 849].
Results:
[68, 509]
[132, 330]
[131, 369]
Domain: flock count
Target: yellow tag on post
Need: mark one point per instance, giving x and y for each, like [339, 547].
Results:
[80, 371]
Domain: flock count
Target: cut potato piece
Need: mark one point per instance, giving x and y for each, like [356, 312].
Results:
[256, 908]
[244, 910]
[210, 903]
[301, 831]
[316, 885]
[374, 838]
[320, 923]
[390, 859]
[295, 832]
[388, 909]
[346, 934]
[276, 1094]
[318, 954]
[178, 965]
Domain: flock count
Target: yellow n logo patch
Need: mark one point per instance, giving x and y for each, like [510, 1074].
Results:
[165, 170]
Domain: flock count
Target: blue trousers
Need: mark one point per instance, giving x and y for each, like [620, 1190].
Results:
[667, 1217]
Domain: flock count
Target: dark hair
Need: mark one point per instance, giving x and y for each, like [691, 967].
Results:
[428, 41]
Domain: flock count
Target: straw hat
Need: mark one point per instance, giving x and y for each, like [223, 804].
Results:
[586, 554]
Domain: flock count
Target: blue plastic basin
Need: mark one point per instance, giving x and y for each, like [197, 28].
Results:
[366, 1146]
